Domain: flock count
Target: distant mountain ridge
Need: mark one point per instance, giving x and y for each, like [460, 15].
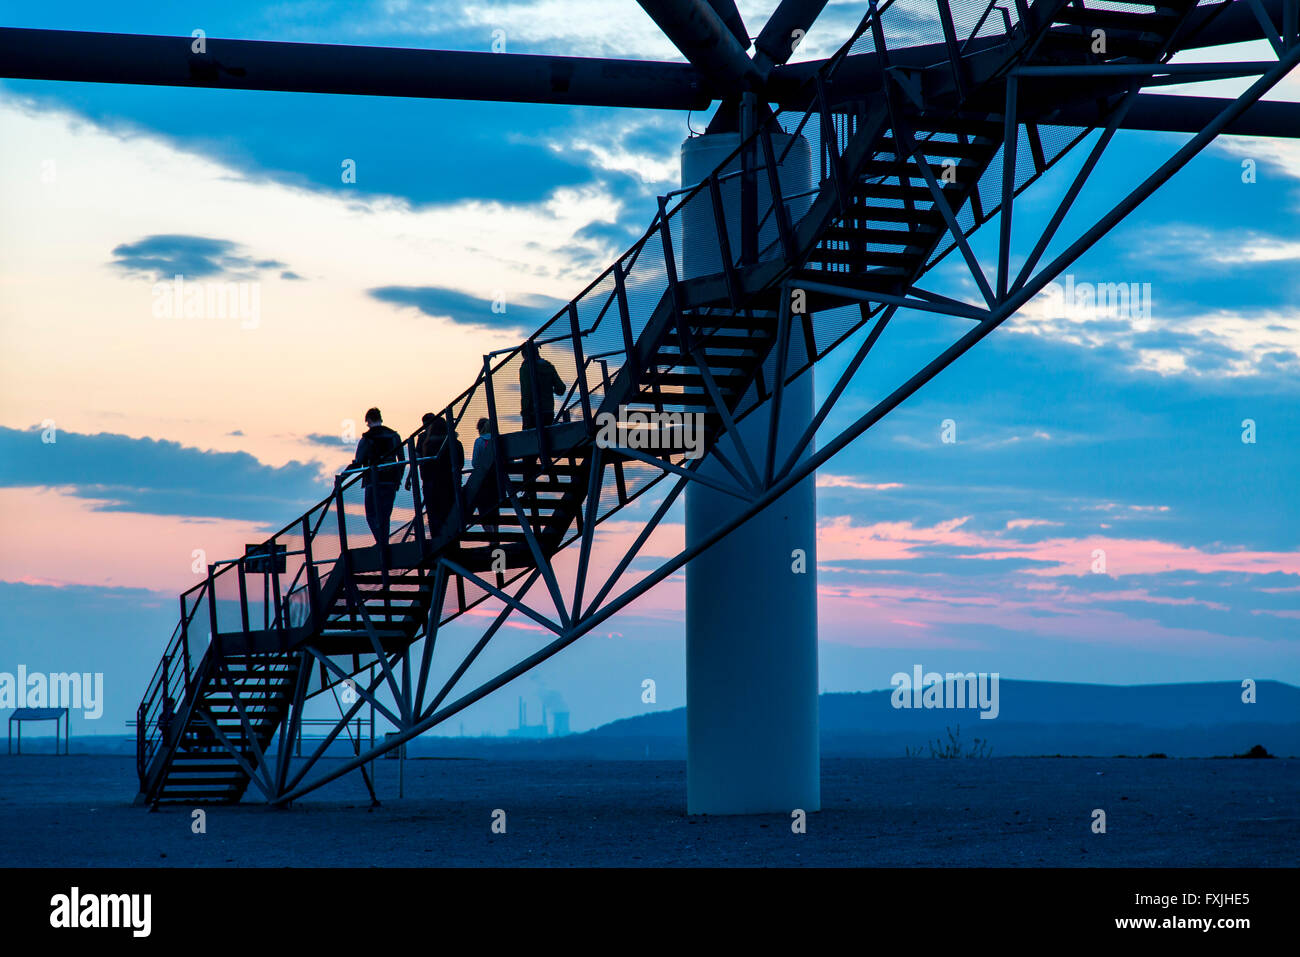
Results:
[1201, 719]
[1205, 704]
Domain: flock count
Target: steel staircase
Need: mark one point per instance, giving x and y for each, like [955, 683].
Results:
[704, 344]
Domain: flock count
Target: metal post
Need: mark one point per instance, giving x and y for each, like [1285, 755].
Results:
[581, 362]
[670, 260]
[185, 644]
[775, 196]
[344, 555]
[416, 500]
[455, 515]
[140, 719]
[748, 183]
[313, 577]
[243, 596]
[625, 321]
[724, 242]
[830, 148]
[276, 598]
[954, 52]
[212, 609]
[1009, 158]
[497, 463]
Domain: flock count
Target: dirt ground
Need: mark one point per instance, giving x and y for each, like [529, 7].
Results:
[75, 811]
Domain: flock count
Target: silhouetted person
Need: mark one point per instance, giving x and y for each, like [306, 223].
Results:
[165, 717]
[549, 384]
[482, 458]
[380, 452]
[443, 459]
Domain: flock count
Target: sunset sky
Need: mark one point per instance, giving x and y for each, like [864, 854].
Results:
[1074, 434]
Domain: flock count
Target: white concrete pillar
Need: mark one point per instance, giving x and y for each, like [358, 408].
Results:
[751, 619]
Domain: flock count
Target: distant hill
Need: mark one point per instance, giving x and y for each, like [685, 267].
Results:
[1034, 718]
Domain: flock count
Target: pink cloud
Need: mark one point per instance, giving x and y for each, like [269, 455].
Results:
[825, 480]
[53, 538]
[839, 539]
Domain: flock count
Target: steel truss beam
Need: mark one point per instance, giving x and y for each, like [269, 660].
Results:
[88, 57]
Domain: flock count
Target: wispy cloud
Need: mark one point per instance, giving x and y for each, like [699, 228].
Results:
[469, 310]
[827, 480]
[165, 255]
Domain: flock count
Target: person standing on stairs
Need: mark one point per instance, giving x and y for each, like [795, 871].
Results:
[535, 369]
[481, 458]
[442, 460]
[165, 718]
[379, 452]
[539, 384]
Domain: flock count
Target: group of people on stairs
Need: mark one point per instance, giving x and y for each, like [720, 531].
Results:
[440, 457]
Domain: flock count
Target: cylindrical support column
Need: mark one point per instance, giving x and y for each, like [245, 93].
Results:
[751, 599]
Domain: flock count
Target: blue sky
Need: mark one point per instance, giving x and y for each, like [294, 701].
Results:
[1073, 432]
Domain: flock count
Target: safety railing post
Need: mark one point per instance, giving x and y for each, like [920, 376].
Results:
[774, 194]
[313, 578]
[675, 293]
[830, 146]
[344, 555]
[724, 241]
[455, 516]
[141, 758]
[372, 472]
[878, 39]
[166, 686]
[185, 644]
[212, 609]
[416, 497]
[670, 260]
[276, 598]
[1022, 15]
[955, 62]
[498, 466]
[748, 184]
[625, 321]
[243, 597]
[581, 363]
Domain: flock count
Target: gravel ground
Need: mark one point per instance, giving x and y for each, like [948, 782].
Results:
[75, 811]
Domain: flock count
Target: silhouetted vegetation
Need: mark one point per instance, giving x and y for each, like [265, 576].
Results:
[955, 748]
